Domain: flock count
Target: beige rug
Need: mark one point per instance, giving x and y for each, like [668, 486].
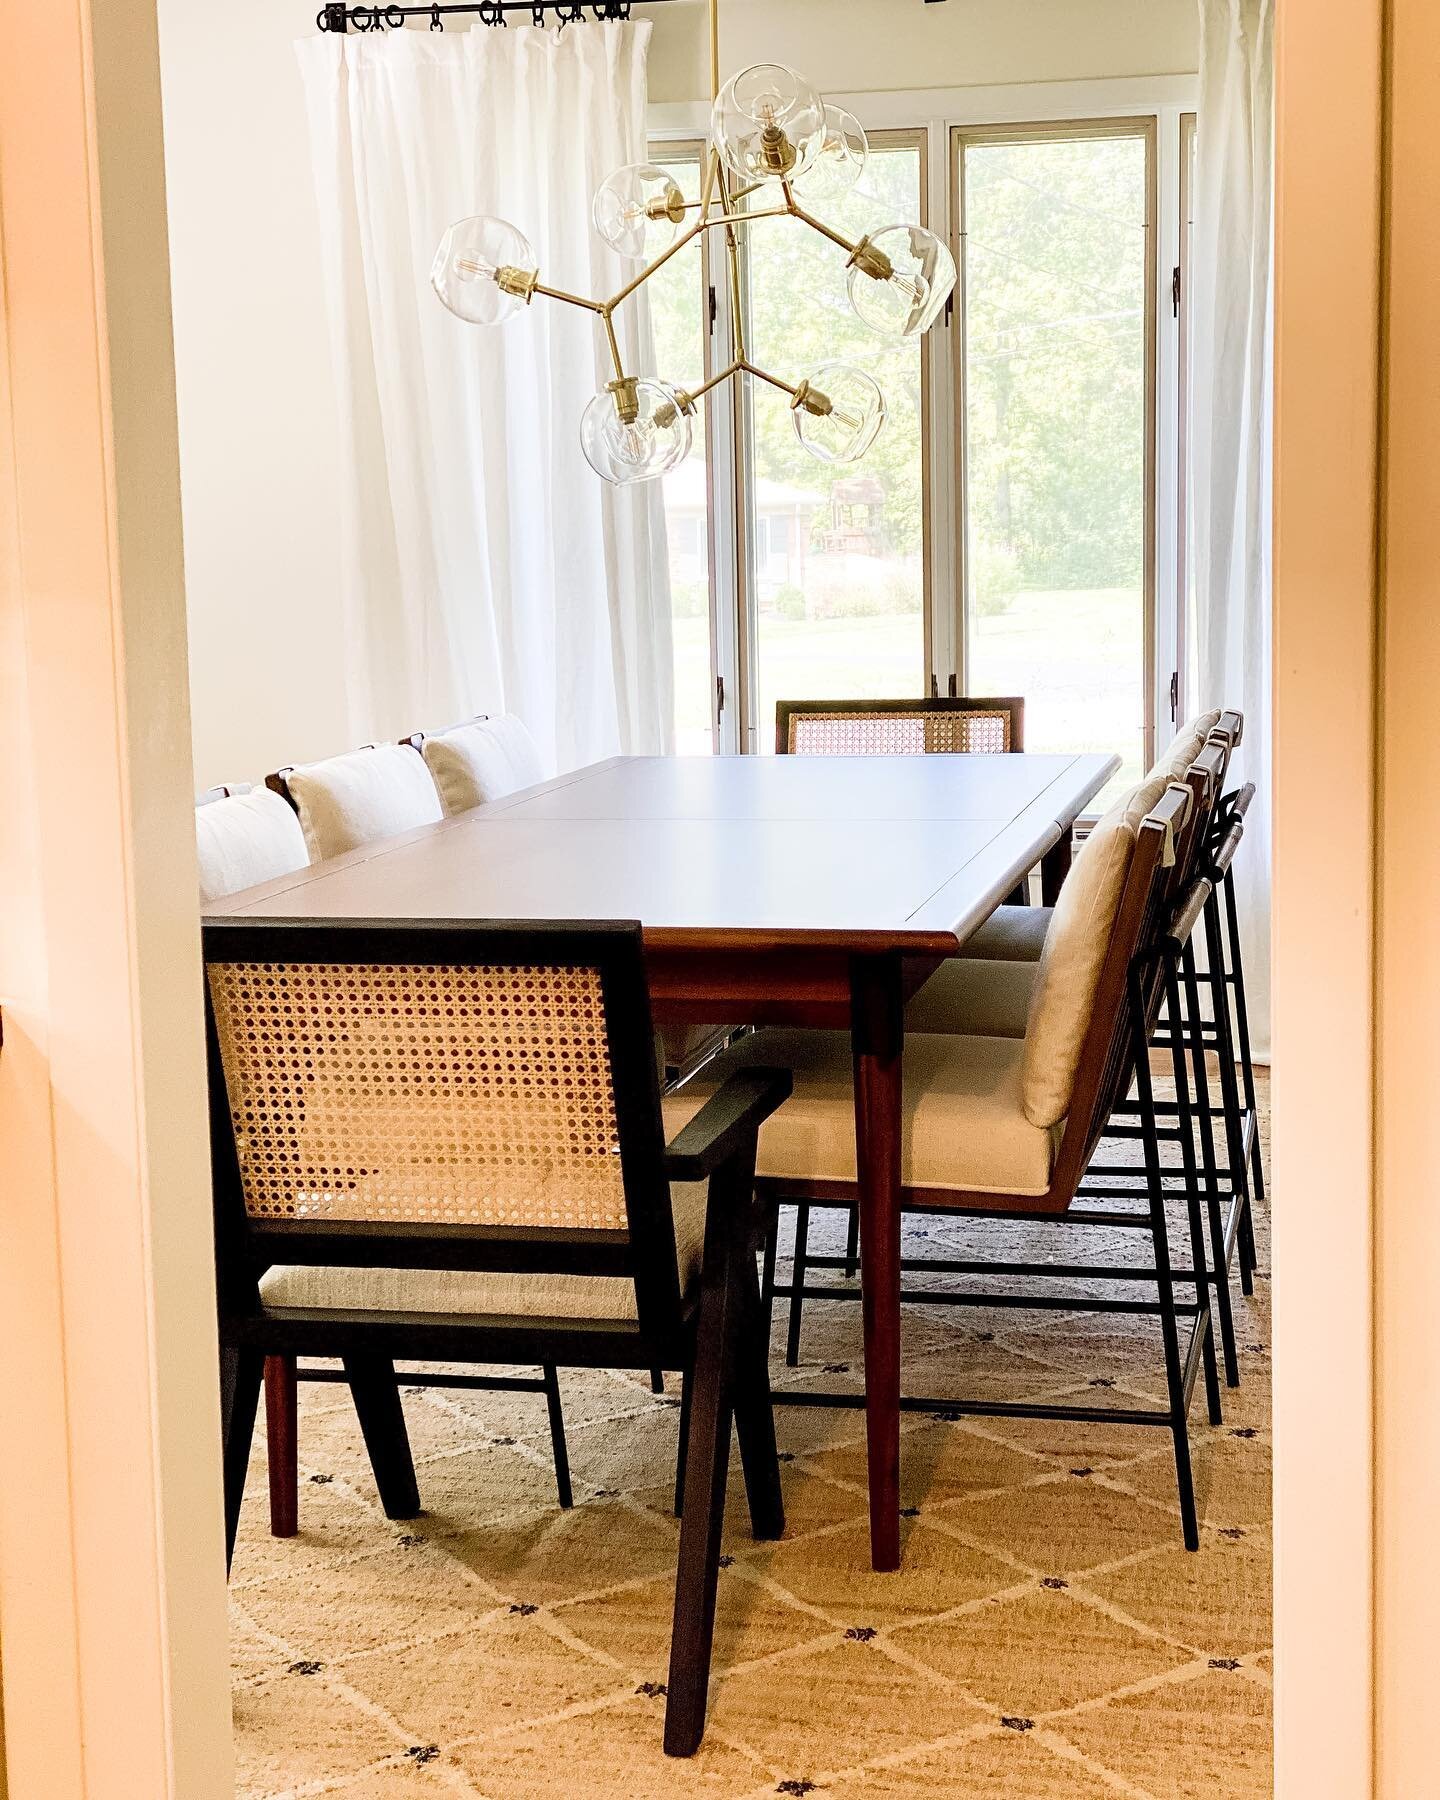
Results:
[1048, 1635]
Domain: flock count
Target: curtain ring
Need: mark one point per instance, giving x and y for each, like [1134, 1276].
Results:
[491, 12]
[394, 18]
[537, 13]
[436, 22]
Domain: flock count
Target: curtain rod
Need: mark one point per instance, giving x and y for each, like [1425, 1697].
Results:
[341, 17]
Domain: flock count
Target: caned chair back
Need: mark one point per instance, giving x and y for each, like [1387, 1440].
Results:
[910, 727]
[1107, 1054]
[396, 1095]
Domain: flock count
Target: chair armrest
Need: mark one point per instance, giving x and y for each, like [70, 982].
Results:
[727, 1123]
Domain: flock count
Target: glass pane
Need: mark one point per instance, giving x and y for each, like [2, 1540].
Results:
[837, 567]
[677, 308]
[1055, 247]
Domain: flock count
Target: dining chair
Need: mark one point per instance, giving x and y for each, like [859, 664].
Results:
[480, 760]
[904, 727]
[346, 801]
[1000, 1127]
[446, 1143]
[243, 836]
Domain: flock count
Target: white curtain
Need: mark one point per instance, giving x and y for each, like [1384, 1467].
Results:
[485, 567]
[1231, 424]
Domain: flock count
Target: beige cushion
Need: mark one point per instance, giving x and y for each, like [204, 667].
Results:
[1010, 934]
[347, 801]
[964, 1126]
[484, 761]
[1069, 967]
[527, 1296]
[245, 839]
[979, 998]
[1183, 748]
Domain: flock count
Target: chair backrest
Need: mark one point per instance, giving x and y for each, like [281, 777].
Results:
[899, 727]
[1079, 1019]
[481, 760]
[403, 1095]
[244, 836]
[359, 798]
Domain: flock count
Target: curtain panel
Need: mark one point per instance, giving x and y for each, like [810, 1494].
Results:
[485, 567]
[1232, 302]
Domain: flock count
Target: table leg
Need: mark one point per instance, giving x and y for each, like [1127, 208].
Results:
[877, 1029]
[1054, 867]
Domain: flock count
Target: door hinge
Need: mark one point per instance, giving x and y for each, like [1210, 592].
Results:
[713, 305]
[1174, 290]
[719, 695]
[1174, 695]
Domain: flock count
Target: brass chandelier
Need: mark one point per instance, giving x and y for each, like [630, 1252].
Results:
[771, 134]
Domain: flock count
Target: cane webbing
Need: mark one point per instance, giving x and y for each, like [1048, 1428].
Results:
[898, 734]
[421, 1094]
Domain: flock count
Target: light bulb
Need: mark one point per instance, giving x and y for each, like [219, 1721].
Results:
[837, 412]
[842, 157]
[484, 270]
[768, 123]
[638, 210]
[635, 430]
[900, 278]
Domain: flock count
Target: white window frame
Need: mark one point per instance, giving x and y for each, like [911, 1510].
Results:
[938, 114]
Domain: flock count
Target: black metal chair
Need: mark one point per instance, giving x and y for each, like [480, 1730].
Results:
[445, 1143]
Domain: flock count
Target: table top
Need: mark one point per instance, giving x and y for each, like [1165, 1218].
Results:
[851, 852]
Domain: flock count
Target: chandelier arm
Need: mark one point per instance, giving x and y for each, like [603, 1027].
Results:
[568, 299]
[744, 218]
[799, 212]
[687, 236]
[732, 258]
[614, 344]
[699, 393]
[765, 375]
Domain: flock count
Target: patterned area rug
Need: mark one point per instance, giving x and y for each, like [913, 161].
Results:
[1047, 1636]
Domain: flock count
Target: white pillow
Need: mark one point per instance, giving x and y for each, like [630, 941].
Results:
[361, 797]
[1183, 748]
[484, 761]
[245, 839]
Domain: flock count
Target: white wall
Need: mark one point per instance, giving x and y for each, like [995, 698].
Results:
[258, 417]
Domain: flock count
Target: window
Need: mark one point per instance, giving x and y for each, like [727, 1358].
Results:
[677, 310]
[835, 607]
[1056, 472]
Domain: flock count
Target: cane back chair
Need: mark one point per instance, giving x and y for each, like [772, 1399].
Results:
[907, 727]
[445, 1143]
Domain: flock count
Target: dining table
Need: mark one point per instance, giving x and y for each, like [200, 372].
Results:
[812, 891]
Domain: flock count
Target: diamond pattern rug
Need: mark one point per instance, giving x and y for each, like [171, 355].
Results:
[1048, 1637]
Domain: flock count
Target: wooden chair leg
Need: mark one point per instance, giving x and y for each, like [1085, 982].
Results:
[282, 1445]
[797, 1282]
[376, 1394]
[852, 1244]
[767, 1269]
[687, 1389]
[241, 1373]
[557, 1436]
[657, 1381]
[755, 1413]
[707, 1458]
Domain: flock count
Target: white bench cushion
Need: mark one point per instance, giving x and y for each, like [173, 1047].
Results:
[245, 839]
[1010, 934]
[497, 1295]
[361, 797]
[976, 997]
[484, 761]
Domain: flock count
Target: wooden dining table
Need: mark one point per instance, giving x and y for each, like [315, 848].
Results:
[809, 891]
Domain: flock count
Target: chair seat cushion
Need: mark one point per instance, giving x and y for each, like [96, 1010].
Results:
[484, 761]
[964, 1126]
[974, 999]
[245, 839]
[362, 797]
[601, 1297]
[1010, 934]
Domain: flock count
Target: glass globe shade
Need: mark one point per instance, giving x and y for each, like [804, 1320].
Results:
[638, 210]
[838, 412]
[916, 275]
[768, 123]
[637, 448]
[481, 268]
[842, 157]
